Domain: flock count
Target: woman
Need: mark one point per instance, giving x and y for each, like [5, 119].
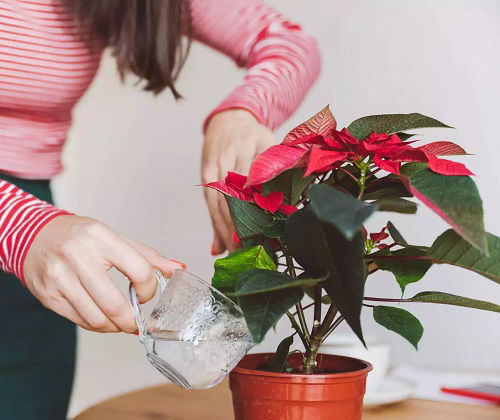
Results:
[49, 53]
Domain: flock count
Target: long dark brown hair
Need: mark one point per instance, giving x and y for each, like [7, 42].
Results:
[146, 36]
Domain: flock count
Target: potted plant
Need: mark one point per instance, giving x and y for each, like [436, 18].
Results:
[299, 218]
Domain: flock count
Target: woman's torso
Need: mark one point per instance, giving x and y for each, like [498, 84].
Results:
[45, 67]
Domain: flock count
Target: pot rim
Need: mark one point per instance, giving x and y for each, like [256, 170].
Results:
[245, 371]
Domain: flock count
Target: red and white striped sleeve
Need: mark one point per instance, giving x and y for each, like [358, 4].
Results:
[282, 60]
[22, 216]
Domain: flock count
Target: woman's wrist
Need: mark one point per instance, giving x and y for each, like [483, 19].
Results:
[231, 116]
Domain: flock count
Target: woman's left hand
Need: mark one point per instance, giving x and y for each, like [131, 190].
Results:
[232, 140]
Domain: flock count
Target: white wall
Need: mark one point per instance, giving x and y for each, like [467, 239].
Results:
[132, 159]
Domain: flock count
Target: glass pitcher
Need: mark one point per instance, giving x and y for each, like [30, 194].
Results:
[194, 334]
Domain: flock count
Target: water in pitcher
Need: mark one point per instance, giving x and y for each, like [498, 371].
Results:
[203, 363]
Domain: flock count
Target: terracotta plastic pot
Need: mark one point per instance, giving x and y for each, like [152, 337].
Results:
[261, 395]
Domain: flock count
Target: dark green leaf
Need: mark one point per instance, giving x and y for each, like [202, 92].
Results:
[322, 250]
[456, 199]
[449, 248]
[291, 183]
[405, 271]
[391, 123]
[448, 299]
[262, 311]
[339, 209]
[275, 229]
[257, 281]
[270, 247]
[408, 169]
[248, 219]
[398, 205]
[395, 235]
[229, 269]
[389, 186]
[277, 363]
[325, 299]
[387, 192]
[405, 136]
[400, 321]
[344, 182]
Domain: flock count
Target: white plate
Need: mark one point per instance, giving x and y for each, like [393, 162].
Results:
[391, 390]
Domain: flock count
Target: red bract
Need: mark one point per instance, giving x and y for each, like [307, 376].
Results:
[322, 123]
[320, 159]
[443, 148]
[379, 236]
[274, 161]
[234, 186]
[318, 146]
[447, 167]
[387, 165]
[270, 202]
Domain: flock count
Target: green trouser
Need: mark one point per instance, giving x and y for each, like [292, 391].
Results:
[37, 346]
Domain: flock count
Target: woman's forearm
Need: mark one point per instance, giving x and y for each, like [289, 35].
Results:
[21, 217]
[282, 60]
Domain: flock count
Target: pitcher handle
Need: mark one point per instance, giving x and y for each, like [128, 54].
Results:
[136, 306]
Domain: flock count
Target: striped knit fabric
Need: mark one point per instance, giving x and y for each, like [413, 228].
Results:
[45, 67]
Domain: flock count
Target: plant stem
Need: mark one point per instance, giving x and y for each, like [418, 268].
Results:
[298, 306]
[396, 257]
[375, 299]
[362, 182]
[317, 309]
[329, 317]
[305, 307]
[310, 362]
[302, 320]
[337, 322]
[297, 328]
[348, 173]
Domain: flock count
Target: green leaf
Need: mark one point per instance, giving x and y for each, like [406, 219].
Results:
[325, 299]
[389, 186]
[405, 271]
[395, 235]
[408, 169]
[248, 219]
[391, 123]
[229, 269]
[322, 250]
[277, 363]
[454, 198]
[257, 281]
[397, 205]
[405, 136]
[262, 311]
[400, 321]
[339, 209]
[448, 299]
[344, 182]
[275, 229]
[449, 248]
[291, 183]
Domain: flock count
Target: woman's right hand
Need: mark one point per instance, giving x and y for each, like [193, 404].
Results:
[66, 270]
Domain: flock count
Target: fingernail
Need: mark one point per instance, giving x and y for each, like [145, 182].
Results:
[213, 250]
[236, 239]
[136, 333]
[181, 264]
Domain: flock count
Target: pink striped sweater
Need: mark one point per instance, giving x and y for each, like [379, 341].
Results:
[45, 68]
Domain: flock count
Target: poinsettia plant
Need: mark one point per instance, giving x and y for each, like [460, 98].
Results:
[299, 219]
